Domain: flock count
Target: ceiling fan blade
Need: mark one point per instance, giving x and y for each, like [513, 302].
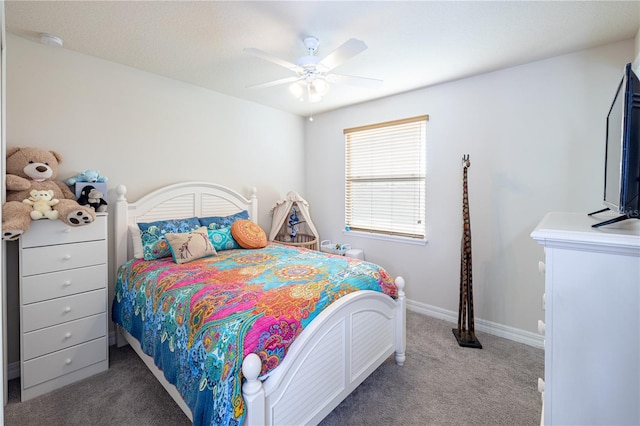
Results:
[346, 51]
[274, 83]
[371, 83]
[271, 58]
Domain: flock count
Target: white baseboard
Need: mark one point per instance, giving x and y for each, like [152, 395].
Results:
[511, 333]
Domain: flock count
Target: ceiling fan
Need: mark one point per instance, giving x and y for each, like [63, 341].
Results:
[312, 74]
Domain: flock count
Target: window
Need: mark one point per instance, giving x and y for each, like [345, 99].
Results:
[385, 177]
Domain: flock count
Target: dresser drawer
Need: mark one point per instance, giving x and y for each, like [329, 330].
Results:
[52, 339]
[56, 311]
[36, 288]
[39, 370]
[40, 260]
[54, 232]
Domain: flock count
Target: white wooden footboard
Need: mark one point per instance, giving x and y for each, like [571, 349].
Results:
[337, 351]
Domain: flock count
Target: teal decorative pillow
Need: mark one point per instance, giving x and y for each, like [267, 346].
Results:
[219, 222]
[222, 239]
[154, 243]
[190, 246]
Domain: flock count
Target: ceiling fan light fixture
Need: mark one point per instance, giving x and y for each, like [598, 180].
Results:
[314, 98]
[296, 90]
[313, 75]
[320, 86]
[312, 94]
[315, 89]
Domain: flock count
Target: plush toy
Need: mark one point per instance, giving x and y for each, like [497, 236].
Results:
[91, 176]
[34, 168]
[42, 201]
[92, 197]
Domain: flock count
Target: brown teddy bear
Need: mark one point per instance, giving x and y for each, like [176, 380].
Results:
[34, 168]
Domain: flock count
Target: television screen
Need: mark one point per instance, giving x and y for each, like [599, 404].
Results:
[613, 166]
[622, 153]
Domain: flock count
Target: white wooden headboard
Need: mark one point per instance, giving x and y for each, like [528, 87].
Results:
[177, 201]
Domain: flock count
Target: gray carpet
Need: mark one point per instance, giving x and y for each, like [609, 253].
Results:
[441, 383]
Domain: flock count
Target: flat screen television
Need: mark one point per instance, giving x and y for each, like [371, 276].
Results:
[622, 153]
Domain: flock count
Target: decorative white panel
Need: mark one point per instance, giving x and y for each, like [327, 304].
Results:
[318, 372]
[372, 334]
[218, 206]
[176, 208]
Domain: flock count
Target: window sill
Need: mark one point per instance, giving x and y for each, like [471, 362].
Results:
[393, 238]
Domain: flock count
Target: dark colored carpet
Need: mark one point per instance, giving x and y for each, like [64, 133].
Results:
[441, 383]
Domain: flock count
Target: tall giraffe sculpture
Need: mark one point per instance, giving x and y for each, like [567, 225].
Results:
[465, 333]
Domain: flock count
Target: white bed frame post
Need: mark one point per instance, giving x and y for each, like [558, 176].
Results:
[120, 233]
[120, 226]
[253, 205]
[253, 391]
[401, 322]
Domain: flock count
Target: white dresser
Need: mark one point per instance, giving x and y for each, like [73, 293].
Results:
[63, 304]
[592, 320]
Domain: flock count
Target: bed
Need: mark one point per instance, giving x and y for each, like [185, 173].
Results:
[335, 351]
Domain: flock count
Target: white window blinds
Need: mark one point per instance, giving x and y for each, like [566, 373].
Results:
[385, 177]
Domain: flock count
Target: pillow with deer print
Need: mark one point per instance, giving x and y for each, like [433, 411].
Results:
[189, 246]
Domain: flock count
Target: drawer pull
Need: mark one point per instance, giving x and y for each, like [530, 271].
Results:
[67, 336]
[67, 257]
[541, 327]
[541, 267]
[67, 230]
[67, 309]
[67, 283]
[67, 361]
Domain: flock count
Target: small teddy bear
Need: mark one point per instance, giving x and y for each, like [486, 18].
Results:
[41, 201]
[92, 176]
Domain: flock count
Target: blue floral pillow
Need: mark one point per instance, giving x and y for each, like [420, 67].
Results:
[154, 243]
[218, 222]
[222, 239]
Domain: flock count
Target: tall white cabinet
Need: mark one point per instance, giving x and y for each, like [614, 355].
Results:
[63, 304]
[592, 320]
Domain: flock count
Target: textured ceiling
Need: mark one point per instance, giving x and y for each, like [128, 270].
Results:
[411, 44]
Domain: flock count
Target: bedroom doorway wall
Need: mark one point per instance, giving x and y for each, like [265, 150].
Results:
[3, 363]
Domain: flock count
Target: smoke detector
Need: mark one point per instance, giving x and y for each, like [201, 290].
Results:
[51, 40]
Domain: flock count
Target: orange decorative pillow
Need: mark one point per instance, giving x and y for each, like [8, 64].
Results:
[248, 234]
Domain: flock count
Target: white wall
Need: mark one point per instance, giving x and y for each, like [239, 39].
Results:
[146, 131]
[636, 63]
[535, 134]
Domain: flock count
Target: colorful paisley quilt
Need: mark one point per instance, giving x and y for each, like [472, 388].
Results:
[198, 320]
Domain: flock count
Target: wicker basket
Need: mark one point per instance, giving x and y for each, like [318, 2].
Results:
[300, 240]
